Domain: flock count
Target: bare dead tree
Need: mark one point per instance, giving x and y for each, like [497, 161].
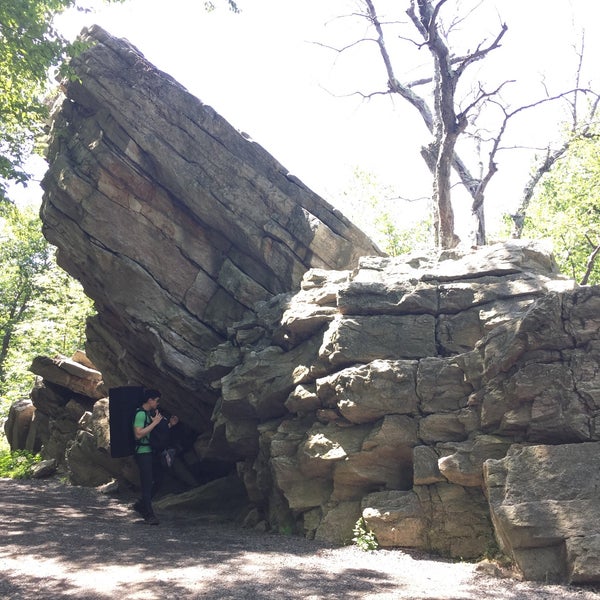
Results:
[444, 119]
[445, 122]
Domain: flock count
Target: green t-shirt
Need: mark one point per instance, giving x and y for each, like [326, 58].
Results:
[142, 419]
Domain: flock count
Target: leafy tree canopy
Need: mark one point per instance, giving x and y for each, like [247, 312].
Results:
[566, 210]
[30, 47]
[383, 216]
[42, 309]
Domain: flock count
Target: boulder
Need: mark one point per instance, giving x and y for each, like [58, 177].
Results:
[462, 462]
[221, 498]
[44, 468]
[396, 518]
[18, 424]
[67, 373]
[176, 223]
[366, 393]
[544, 505]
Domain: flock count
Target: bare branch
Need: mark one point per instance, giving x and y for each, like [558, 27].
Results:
[393, 84]
[481, 53]
[426, 80]
[560, 96]
[343, 48]
[433, 19]
[552, 157]
[417, 82]
[409, 200]
[590, 264]
[483, 95]
[421, 28]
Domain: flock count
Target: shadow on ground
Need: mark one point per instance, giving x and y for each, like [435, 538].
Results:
[59, 541]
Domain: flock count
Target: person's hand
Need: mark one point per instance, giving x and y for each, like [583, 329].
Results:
[173, 421]
[157, 417]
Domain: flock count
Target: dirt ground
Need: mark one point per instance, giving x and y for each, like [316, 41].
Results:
[60, 541]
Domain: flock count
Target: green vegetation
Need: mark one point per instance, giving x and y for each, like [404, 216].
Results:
[364, 538]
[18, 464]
[42, 310]
[566, 210]
[32, 50]
[378, 211]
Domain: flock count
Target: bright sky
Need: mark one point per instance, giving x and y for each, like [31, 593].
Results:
[262, 72]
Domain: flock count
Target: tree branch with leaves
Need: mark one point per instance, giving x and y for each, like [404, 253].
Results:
[580, 128]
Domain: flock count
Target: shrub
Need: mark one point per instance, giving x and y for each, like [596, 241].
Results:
[364, 538]
[17, 464]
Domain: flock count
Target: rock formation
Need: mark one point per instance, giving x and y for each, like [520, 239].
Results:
[175, 223]
[334, 383]
[402, 381]
[62, 417]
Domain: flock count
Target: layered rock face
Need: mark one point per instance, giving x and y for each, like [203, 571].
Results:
[175, 223]
[415, 392]
[400, 380]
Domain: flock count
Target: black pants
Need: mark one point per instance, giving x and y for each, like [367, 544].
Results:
[145, 463]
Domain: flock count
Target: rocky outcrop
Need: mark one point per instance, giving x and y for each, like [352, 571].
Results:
[175, 223]
[61, 417]
[332, 382]
[544, 505]
[400, 385]
[445, 452]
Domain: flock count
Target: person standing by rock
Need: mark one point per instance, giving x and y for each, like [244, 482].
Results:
[146, 419]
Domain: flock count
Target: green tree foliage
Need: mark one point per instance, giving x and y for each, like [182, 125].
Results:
[566, 210]
[30, 47]
[25, 255]
[42, 309]
[379, 212]
[18, 464]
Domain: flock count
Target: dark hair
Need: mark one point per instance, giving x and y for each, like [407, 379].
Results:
[151, 394]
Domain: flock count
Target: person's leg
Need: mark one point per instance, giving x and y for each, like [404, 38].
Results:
[144, 462]
[157, 473]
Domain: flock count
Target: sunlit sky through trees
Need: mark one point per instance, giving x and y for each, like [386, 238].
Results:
[268, 72]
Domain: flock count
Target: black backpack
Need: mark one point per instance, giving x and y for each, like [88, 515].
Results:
[159, 440]
[160, 436]
[123, 403]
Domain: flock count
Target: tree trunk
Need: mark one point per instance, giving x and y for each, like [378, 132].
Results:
[442, 195]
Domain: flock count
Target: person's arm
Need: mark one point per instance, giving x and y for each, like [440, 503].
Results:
[140, 432]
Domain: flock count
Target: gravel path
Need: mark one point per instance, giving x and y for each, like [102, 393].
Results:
[59, 541]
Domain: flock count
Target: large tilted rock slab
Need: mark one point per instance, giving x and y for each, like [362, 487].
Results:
[545, 508]
[175, 223]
